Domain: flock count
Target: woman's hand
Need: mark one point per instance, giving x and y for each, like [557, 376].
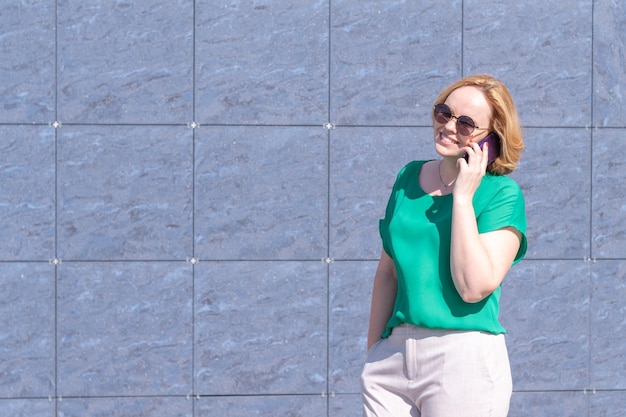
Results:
[471, 172]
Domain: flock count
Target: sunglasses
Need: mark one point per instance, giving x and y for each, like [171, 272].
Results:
[465, 126]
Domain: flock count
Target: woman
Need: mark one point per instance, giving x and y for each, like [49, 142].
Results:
[453, 228]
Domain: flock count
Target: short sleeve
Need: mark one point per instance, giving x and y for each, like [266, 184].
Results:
[383, 224]
[383, 229]
[409, 170]
[505, 208]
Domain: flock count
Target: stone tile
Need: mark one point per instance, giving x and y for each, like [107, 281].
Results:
[609, 192]
[364, 163]
[28, 193]
[608, 325]
[345, 405]
[549, 404]
[350, 297]
[124, 329]
[26, 408]
[245, 406]
[262, 62]
[541, 50]
[390, 59]
[609, 67]
[27, 352]
[260, 328]
[545, 309]
[125, 193]
[554, 175]
[122, 407]
[28, 55]
[261, 193]
[118, 182]
[607, 404]
[127, 62]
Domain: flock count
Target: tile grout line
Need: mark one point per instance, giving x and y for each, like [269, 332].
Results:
[328, 186]
[56, 207]
[462, 38]
[193, 209]
[591, 252]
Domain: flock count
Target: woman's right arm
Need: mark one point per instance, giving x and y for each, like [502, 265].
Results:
[383, 298]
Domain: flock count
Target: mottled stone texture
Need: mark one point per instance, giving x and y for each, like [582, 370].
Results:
[191, 192]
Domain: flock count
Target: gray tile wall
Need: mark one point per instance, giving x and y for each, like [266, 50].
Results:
[191, 188]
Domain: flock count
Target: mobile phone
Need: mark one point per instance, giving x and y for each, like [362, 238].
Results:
[494, 147]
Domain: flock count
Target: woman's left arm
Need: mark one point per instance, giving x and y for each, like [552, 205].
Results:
[478, 262]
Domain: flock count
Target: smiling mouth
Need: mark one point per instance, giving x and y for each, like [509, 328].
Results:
[447, 141]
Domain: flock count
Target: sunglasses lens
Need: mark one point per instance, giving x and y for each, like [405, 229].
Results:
[465, 125]
[442, 113]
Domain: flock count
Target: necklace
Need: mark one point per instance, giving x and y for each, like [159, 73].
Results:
[441, 178]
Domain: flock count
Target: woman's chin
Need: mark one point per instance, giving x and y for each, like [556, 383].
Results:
[447, 151]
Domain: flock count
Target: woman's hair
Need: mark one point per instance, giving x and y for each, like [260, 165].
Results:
[504, 122]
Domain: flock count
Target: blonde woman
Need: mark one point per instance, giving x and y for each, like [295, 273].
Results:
[452, 229]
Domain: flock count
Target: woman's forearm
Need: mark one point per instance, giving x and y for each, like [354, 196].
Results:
[479, 262]
[383, 298]
[470, 264]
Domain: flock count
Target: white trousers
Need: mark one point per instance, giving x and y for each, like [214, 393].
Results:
[421, 372]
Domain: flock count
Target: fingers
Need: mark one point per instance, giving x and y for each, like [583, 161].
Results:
[478, 154]
[477, 158]
[484, 157]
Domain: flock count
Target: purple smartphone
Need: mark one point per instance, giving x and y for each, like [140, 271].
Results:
[494, 147]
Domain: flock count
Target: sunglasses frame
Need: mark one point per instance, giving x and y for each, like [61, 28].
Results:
[461, 121]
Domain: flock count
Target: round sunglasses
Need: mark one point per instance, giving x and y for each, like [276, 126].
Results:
[465, 126]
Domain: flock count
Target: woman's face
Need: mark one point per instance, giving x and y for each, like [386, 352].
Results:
[464, 101]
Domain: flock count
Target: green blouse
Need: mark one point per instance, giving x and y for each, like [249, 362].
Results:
[416, 235]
